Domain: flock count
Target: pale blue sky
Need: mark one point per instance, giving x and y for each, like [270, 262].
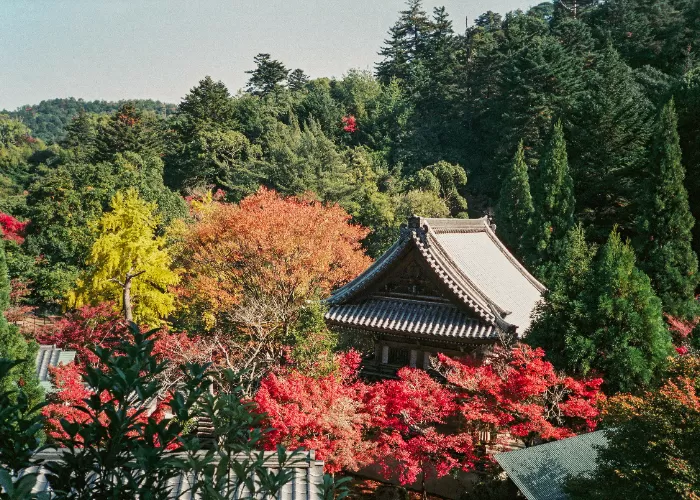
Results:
[159, 49]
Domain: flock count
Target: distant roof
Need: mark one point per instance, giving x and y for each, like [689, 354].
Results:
[305, 485]
[470, 260]
[540, 472]
[50, 355]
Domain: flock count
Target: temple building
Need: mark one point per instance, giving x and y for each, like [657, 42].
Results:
[447, 285]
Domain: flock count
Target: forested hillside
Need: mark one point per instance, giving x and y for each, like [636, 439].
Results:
[48, 119]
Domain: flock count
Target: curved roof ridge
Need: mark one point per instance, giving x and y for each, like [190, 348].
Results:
[441, 263]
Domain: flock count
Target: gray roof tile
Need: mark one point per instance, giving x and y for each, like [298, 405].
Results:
[409, 316]
[540, 472]
[47, 356]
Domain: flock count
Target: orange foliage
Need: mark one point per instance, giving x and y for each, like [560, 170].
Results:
[271, 251]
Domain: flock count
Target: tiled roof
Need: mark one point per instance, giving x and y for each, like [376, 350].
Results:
[410, 317]
[540, 472]
[50, 355]
[305, 485]
[469, 259]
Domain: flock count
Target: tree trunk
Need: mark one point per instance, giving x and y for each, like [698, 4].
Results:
[128, 313]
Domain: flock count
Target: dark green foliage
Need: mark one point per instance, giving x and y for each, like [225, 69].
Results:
[652, 449]
[14, 347]
[603, 317]
[553, 201]
[665, 244]
[297, 80]
[407, 44]
[515, 209]
[268, 75]
[610, 129]
[129, 130]
[20, 435]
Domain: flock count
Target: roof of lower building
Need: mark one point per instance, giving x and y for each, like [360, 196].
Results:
[50, 355]
[470, 261]
[305, 484]
[541, 472]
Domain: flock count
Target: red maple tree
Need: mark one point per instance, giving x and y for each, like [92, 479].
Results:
[349, 124]
[415, 427]
[12, 229]
[325, 414]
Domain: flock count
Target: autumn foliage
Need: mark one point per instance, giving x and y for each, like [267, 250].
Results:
[416, 428]
[12, 229]
[267, 255]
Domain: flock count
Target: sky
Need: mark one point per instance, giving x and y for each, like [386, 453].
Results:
[159, 49]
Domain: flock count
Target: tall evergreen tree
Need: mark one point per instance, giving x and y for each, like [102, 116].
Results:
[610, 130]
[607, 321]
[407, 43]
[129, 129]
[515, 209]
[268, 75]
[14, 346]
[562, 313]
[554, 205]
[665, 246]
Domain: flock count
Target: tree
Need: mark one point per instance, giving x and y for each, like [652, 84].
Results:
[515, 208]
[323, 414]
[297, 80]
[129, 264]
[15, 348]
[445, 180]
[267, 76]
[651, 451]
[612, 322]
[666, 252]
[408, 416]
[608, 147]
[553, 216]
[251, 268]
[406, 44]
[11, 229]
[129, 129]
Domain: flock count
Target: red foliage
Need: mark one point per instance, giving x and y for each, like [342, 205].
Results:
[518, 391]
[12, 229]
[417, 428]
[349, 124]
[18, 310]
[324, 414]
[84, 328]
[409, 424]
[681, 328]
[682, 350]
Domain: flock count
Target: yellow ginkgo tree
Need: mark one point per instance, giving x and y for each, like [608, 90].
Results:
[128, 263]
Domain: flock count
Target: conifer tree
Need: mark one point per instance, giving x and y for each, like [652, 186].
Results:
[554, 205]
[14, 346]
[268, 75]
[606, 320]
[515, 209]
[608, 147]
[129, 264]
[666, 249]
[407, 42]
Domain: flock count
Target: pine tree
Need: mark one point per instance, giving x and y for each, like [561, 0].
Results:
[297, 80]
[14, 346]
[267, 76]
[554, 205]
[406, 44]
[129, 129]
[515, 209]
[666, 249]
[561, 314]
[604, 319]
[608, 147]
[128, 263]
